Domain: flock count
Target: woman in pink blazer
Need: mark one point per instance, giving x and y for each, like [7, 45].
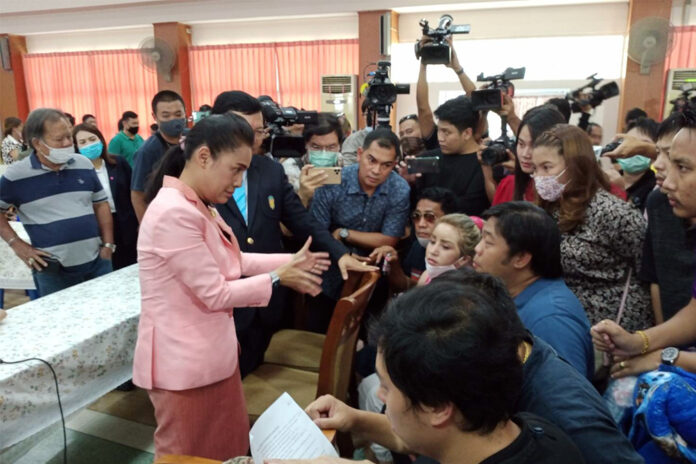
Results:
[192, 275]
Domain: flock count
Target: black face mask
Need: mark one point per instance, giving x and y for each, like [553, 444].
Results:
[134, 130]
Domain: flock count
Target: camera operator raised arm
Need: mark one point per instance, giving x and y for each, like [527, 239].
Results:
[425, 113]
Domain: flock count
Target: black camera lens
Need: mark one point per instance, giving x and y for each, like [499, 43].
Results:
[494, 154]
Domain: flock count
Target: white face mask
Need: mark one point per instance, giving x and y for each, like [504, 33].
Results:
[434, 271]
[59, 155]
[423, 241]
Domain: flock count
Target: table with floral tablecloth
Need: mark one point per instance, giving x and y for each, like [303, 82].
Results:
[87, 333]
[14, 274]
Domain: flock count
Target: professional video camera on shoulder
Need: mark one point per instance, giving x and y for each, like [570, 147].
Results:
[381, 93]
[438, 50]
[491, 98]
[280, 143]
[591, 95]
[684, 99]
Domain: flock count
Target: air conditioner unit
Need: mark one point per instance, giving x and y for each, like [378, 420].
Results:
[339, 94]
[678, 80]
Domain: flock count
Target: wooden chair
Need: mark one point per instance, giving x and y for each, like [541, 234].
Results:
[302, 349]
[264, 385]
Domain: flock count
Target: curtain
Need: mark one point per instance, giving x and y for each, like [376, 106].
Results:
[683, 51]
[104, 83]
[289, 72]
[217, 68]
[301, 65]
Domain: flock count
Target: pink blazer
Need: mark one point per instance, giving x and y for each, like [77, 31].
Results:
[190, 279]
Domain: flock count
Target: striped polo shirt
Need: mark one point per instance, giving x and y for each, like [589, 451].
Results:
[56, 207]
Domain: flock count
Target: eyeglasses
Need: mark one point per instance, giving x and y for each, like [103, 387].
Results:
[407, 117]
[417, 215]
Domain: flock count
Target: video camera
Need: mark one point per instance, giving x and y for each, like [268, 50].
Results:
[280, 143]
[438, 51]
[381, 93]
[684, 99]
[492, 97]
[596, 95]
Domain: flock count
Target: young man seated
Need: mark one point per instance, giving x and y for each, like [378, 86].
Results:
[549, 387]
[451, 387]
[521, 245]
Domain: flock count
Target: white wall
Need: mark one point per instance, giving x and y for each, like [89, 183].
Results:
[110, 39]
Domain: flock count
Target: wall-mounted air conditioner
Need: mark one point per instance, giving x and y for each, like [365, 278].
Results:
[678, 81]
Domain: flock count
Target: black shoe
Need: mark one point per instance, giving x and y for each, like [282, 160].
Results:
[126, 386]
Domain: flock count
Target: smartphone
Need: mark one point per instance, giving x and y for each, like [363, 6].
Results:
[333, 175]
[423, 165]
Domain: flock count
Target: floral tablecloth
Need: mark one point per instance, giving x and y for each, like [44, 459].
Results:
[86, 332]
[14, 274]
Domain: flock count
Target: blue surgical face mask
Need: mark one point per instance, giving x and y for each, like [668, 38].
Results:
[323, 159]
[173, 127]
[634, 164]
[93, 150]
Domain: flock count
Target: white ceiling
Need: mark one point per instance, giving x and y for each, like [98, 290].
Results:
[42, 16]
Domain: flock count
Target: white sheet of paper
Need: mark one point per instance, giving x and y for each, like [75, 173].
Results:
[285, 431]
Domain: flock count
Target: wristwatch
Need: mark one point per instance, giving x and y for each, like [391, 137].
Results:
[669, 355]
[275, 280]
[343, 233]
[110, 246]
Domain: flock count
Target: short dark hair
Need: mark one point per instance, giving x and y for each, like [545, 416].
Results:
[448, 342]
[459, 112]
[70, 118]
[128, 115]
[205, 107]
[412, 117]
[443, 196]
[528, 228]
[166, 96]
[633, 114]
[237, 101]
[590, 126]
[85, 117]
[218, 132]
[562, 105]
[646, 126]
[385, 139]
[326, 124]
[689, 117]
[670, 125]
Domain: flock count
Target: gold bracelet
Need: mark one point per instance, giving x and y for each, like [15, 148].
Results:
[646, 342]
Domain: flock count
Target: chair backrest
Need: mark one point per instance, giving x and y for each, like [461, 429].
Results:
[338, 353]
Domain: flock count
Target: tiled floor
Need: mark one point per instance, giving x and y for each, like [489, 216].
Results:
[117, 429]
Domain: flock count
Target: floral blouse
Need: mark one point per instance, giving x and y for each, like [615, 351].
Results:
[597, 256]
[9, 144]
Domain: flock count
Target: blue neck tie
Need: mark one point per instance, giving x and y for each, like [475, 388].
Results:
[241, 199]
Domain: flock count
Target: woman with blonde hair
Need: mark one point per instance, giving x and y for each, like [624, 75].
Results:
[452, 244]
[601, 235]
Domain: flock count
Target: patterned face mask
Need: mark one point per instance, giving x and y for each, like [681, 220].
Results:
[548, 187]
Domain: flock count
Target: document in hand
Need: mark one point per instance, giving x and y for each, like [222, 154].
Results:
[285, 431]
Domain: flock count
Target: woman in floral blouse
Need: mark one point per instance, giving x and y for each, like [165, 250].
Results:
[12, 140]
[602, 236]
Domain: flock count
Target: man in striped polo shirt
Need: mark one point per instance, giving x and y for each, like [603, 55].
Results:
[62, 205]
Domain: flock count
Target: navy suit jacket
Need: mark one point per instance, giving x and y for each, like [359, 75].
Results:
[125, 220]
[270, 201]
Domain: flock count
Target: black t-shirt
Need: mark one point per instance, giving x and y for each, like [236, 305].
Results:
[668, 258]
[431, 142]
[414, 262]
[638, 192]
[539, 442]
[461, 174]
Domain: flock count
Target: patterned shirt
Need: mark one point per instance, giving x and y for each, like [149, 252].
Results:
[347, 205]
[10, 144]
[56, 207]
[597, 256]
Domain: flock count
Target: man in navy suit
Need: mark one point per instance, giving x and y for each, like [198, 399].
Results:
[255, 212]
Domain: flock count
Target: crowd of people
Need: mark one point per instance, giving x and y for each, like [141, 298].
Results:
[524, 307]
